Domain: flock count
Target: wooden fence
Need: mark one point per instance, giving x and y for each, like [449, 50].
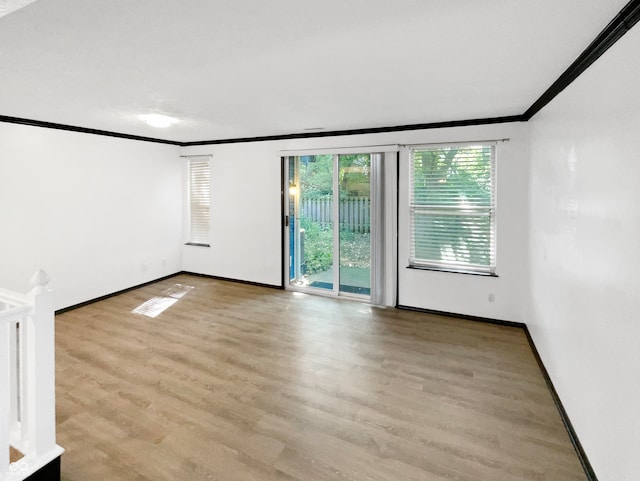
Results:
[354, 212]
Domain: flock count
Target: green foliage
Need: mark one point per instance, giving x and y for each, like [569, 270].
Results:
[355, 249]
[318, 246]
[316, 175]
[354, 175]
[460, 178]
[463, 173]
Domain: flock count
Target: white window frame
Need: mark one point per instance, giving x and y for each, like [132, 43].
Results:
[198, 200]
[453, 266]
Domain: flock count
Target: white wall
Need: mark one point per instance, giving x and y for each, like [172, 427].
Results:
[107, 214]
[98, 214]
[246, 222]
[470, 294]
[585, 255]
[245, 214]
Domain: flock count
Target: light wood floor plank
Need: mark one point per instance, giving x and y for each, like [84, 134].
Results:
[238, 382]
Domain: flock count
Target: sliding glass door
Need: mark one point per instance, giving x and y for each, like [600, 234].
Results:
[311, 226]
[329, 223]
[354, 217]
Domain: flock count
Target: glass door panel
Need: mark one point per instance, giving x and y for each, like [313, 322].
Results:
[311, 226]
[354, 189]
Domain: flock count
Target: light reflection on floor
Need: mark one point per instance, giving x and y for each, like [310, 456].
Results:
[157, 305]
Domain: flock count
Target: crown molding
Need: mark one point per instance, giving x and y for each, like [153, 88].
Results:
[84, 130]
[620, 25]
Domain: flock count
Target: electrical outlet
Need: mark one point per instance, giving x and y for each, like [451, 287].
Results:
[492, 297]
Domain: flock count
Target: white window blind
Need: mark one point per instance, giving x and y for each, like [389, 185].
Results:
[199, 200]
[452, 208]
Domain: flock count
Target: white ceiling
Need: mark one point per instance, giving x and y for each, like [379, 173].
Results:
[245, 68]
[8, 6]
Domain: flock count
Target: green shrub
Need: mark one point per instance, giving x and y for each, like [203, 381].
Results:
[318, 247]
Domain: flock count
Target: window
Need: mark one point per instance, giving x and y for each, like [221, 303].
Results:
[452, 208]
[199, 200]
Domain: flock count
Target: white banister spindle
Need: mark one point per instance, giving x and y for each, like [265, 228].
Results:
[39, 368]
[5, 400]
[14, 378]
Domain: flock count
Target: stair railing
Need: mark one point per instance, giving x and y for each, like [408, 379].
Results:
[27, 380]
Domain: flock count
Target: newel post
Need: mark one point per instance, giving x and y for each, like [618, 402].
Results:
[40, 368]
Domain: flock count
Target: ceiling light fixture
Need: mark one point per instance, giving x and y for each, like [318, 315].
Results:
[159, 121]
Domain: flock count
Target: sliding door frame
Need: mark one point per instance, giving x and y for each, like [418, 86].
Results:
[387, 210]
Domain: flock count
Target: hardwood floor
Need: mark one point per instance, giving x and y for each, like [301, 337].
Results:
[237, 382]
[14, 455]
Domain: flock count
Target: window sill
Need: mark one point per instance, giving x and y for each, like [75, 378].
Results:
[196, 244]
[452, 271]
